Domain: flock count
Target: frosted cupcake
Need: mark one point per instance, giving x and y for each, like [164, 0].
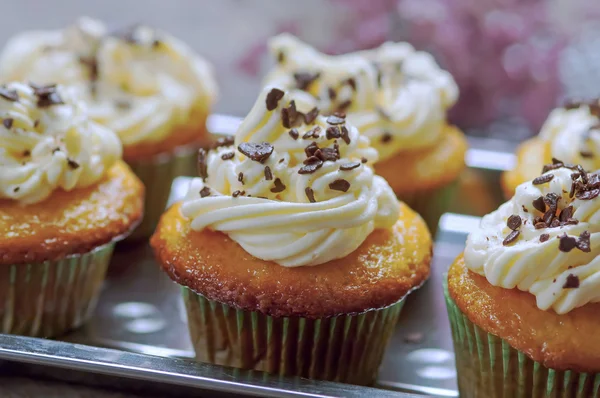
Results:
[571, 134]
[294, 257]
[524, 299]
[65, 199]
[396, 96]
[142, 83]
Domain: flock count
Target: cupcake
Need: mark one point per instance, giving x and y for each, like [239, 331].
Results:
[396, 96]
[524, 298]
[142, 83]
[571, 134]
[65, 199]
[294, 257]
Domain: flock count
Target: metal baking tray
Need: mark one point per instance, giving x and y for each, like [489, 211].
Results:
[138, 338]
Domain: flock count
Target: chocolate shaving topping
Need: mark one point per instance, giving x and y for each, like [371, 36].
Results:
[9, 95]
[326, 154]
[543, 179]
[587, 195]
[294, 134]
[227, 156]
[333, 132]
[204, 192]
[345, 135]
[539, 204]
[575, 176]
[273, 98]
[311, 115]
[268, 173]
[26, 152]
[351, 166]
[555, 223]
[202, 167]
[586, 154]
[583, 243]
[514, 222]
[16, 189]
[386, 137]
[572, 282]
[364, 160]
[340, 185]
[8, 122]
[512, 236]
[289, 115]
[311, 165]
[310, 194]
[235, 194]
[311, 149]
[257, 152]
[47, 95]
[352, 83]
[567, 243]
[331, 92]
[566, 214]
[551, 199]
[241, 177]
[304, 79]
[345, 105]
[72, 164]
[224, 141]
[335, 119]
[544, 237]
[548, 216]
[540, 225]
[524, 209]
[278, 186]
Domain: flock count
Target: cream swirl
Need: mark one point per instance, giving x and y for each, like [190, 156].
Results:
[140, 82]
[577, 124]
[47, 142]
[554, 250]
[396, 96]
[298, 190]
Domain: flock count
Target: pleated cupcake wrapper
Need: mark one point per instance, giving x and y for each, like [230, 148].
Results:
[50, 298]
[347, 348]
[158, 174]
[431, 204]
[489, 367]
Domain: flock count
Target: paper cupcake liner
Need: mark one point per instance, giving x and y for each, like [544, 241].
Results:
[157, 175]
[47, 299]
[488, 366]
[431, 204]
[346, 348]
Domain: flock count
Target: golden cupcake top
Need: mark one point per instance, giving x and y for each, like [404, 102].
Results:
[573, 133]
[293, 186]
[545, 240]
[48, 142]
[139, 82]
[395, 95]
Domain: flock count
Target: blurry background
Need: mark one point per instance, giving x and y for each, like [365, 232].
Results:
[513, 59]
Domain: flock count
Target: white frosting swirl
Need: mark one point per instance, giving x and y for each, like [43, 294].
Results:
[139, 83]
[284, 225]
[398, 97]
[47, 147]
[574, 136]
[533, 263]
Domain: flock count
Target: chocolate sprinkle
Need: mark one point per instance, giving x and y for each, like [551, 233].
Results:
[351, 166]
[304, 79]
[224, 141]
[9, 95]
[586, 154]
[539, 204]
[8, 122]
[326, 154]
[311, 115]
[386, 137]
[572, 282]
[544, 237]
[278, 186]
[72, 164]
[567, 243]
[241, 177]
[540, 225]
[227, 156]
[333, 132]
[294, 134]
[524, 209]
[345, 105]
[268, 173]
[289, 115]
[543, 179]
[202, 167]
[204, 192]
[335, 119]
[257, 152]
[16, 189]
[311, 149]
[587, 195]
[310, 194]
[340, 185]
[566, 214]
[514, 222]
[235, 194]
[364, 160]
[345, 135]
[331, 92]
[273, 98]
[313, 165]
[583, 243]
[47, 95]
[510, 238]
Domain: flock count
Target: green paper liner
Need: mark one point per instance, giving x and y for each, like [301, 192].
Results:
[432, 203]
[346, 348]
[488, 366]
[50, 298]
[157, 175]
